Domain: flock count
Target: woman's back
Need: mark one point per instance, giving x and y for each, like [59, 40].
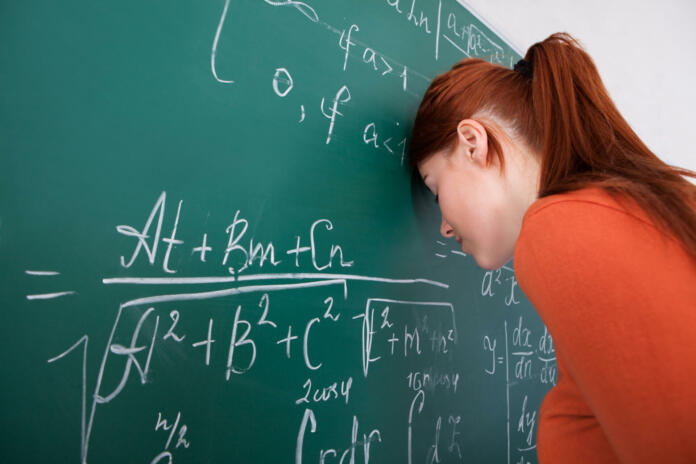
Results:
[619, 298]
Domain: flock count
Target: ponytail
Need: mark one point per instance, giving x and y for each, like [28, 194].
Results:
[563, 112]
[586, 141]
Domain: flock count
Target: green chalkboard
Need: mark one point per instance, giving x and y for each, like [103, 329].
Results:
[211, 249]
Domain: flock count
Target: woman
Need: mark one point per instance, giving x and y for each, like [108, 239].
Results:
[536, 163]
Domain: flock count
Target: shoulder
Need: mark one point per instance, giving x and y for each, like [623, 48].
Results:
[590, 200]
[586, 214]
[578, 234]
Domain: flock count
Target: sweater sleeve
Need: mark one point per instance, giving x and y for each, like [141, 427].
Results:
[615, 296]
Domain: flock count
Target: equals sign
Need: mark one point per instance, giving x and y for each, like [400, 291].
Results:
[46, 296]
[440, 255]
[500, 360]
[454, 252]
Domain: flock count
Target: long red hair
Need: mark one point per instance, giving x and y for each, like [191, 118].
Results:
[564, 112]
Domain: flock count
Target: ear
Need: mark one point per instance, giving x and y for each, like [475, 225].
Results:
[472, 142]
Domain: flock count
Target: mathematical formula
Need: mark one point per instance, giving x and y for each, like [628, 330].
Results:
[267, 317]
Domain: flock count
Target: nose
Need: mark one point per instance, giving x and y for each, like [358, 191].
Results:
[445, 229]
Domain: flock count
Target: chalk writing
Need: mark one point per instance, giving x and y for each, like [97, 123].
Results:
[239, 303]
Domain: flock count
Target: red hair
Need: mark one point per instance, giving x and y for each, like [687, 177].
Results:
[563, 112]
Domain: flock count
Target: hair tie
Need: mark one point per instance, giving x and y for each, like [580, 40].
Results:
[524, 68]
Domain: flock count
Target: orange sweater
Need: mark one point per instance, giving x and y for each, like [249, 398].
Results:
[619, 299]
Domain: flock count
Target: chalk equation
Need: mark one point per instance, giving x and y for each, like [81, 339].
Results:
[252, 326]
[268, 322]
[429, 19]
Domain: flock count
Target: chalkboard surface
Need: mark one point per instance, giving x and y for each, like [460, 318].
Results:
[211, 249]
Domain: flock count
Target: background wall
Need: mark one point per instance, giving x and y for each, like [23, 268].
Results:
[644, 52]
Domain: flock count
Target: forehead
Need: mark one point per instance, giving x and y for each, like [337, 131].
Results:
[432, 164]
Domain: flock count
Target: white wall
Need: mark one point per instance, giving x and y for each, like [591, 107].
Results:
[645, 52]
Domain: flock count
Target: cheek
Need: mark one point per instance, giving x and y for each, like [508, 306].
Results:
[459, 216]
[469, 218]
[449, 209]
[451, 201]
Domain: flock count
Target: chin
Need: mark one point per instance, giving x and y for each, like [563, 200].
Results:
[490, 263]
[485, 265]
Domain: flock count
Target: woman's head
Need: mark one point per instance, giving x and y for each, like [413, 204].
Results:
[489, 140]
[482, 202]
[472, 146]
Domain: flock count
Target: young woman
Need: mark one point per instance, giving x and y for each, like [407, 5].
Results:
[536, 163]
